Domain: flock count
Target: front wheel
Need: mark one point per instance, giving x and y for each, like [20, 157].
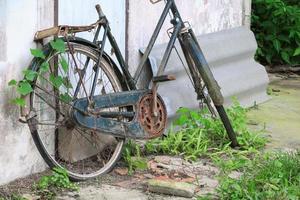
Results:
[61, 142]
[210, 90]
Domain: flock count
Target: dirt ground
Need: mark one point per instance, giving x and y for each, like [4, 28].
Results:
[280, 117]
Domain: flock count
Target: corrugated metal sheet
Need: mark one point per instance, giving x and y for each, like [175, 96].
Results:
[230, 54]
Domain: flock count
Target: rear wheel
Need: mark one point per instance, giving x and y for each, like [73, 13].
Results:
[61, 142]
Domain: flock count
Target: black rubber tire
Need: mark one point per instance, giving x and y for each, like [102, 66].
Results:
[35, 135]
[196, 54]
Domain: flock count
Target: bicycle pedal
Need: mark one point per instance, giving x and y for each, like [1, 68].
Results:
[163, 78]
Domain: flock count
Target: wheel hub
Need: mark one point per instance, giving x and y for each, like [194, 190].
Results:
[153, 125]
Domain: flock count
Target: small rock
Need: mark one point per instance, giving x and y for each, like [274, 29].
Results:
[172, 188]
[121, 171]
[177, 161]
[72, 194]
[206, 182]
[162, 159]
[149, 176]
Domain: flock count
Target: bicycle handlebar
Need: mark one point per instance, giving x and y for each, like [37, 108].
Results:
[99, 10]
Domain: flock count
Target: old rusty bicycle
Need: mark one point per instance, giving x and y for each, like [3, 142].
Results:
[86, 135]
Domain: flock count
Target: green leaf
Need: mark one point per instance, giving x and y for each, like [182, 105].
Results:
[66, 98]
[12, 82]
[58, 45]
[38, 53]
[67, 83]
[24, 88]
[57, 81]
[269, 58]
[64, 65]
[297, 52]
[183, 119]
[44, 67]
[19, 102]
[277, 45]
[29, 74]
[285, 56]
[284, 38]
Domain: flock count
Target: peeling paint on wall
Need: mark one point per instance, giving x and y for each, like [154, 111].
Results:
[20, 20]
[2, 30]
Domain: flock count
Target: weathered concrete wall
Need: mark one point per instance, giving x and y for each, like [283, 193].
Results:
[18, 22]
[205, 16]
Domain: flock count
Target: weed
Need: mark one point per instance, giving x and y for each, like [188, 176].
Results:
[133, 158]
[48, 186]
[271, 176]
[201, 135]
[13, 197]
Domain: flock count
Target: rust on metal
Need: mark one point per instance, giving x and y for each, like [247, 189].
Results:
[153, 125]
[164, 78]
[65, 29]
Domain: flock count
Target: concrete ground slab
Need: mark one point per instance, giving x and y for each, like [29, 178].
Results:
[280, 116]
[107, 192]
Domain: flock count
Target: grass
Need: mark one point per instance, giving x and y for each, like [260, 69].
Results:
[133, 158]
[200, 135]
[13, 197]
[273, 176]
[270, 176]
[48, 186]
[264, 176]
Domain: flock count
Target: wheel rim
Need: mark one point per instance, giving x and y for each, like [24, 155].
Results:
[83, 153]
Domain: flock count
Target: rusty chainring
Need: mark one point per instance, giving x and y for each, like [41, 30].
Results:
[153, 125]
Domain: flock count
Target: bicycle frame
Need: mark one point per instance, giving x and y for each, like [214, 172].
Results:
[131, 81]
[193, 55]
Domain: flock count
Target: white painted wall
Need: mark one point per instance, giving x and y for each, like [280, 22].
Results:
[83, 12]
[205, 16]
[18, 22]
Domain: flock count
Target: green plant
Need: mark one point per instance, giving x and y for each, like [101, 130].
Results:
[201, 135]
[276, 24]
[13, 197]
[24, 86]
[133, 158]
[47, 186]
[271, 176]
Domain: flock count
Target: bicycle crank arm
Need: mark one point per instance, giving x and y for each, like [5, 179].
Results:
[138, 128]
